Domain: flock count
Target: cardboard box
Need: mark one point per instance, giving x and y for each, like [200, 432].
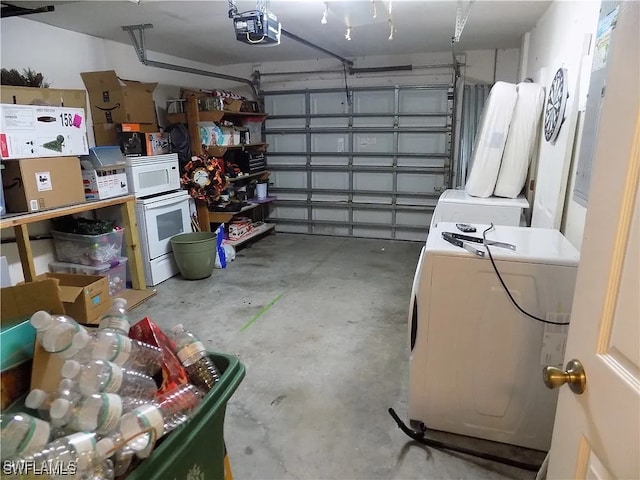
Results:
[57, 97]
[30, 131]
[114, 100]
[35, 184]
[232, 105]
[212, 134]
[85, 298]
[18, 304]
[104, 182]
[106, 134]
[158, 143]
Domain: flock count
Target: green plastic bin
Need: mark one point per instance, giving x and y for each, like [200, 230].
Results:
[196, 448]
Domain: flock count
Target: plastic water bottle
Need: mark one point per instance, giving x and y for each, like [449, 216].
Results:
[41, 401]
[140, 428]
[98, 413]
[103, 471]
[121, 350]
[103, 376]
[194, 358]
[116, 319]
[56, 332]
[22, 434]
[74, 454]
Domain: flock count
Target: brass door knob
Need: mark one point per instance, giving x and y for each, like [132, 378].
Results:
[574, 376]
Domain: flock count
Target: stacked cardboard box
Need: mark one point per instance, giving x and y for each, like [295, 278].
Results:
[39, 145]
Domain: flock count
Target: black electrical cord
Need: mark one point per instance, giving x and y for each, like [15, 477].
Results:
[346, 85]
[504, 285]
[419, 437]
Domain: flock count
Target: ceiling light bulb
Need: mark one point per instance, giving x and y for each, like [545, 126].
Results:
[375, 9]
[390, 29]
[347, 35]
[323, 21]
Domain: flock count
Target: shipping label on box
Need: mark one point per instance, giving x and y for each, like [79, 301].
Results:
[103, 183]
[31, 131]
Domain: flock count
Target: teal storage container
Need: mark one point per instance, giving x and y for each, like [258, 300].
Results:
[16, 345]
[196, 448]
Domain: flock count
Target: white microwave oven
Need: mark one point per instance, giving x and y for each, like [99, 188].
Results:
[153, 174]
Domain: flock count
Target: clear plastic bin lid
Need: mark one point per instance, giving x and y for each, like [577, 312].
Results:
[104, 156]
[86, 269]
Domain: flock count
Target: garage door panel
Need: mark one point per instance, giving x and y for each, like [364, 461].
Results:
[420, 101]
[373, 161]
[292, 104]
[374, 101]
[289, 179]
[359, 169]
[284, 123]
[287, 143]
[330, 161]
[286, 160]
[328, 103]
[373, 142]
[419, 183]
[422, 121]
[421, 162]
[422, 142]
[373, 122]
[292, 196]
[330, 180]
[372, 232]
[381, 199]
[373, 181]
[327, 122]
[383, 217]
[330, 197]
[330, 214]
[413, 218]
[291, 213]
[330, 142]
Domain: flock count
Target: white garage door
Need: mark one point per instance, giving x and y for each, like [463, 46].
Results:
[373, 167]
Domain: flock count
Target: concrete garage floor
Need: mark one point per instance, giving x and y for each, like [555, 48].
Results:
[324, 363]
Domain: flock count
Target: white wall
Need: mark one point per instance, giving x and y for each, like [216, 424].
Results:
[61, 55]
[558, 40]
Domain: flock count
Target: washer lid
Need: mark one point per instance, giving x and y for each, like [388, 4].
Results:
[460, 196]
[533, 245]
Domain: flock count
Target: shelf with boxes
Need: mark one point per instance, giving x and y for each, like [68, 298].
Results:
[236, 137]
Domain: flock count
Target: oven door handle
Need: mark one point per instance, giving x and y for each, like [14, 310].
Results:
[166, 203]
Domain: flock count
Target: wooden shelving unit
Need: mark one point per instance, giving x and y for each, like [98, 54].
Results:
[20, 223]
[264, 228]
[192, 116]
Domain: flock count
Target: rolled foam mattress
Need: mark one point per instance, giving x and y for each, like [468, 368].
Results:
[491, 138]
[523, 134]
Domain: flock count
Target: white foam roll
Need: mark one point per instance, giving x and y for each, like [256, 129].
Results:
[521, 140]
[491, 138]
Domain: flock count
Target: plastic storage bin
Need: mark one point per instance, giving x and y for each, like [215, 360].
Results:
[116, 270]
[87, 249]
[196, 448]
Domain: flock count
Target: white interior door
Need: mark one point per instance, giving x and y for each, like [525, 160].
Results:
[597, 434]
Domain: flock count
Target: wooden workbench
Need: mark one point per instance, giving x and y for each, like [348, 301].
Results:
[20, 223]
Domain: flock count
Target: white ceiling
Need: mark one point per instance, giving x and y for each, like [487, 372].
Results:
[201, 30]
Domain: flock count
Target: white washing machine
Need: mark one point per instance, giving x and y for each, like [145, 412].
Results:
[459, 206]
[476, 362]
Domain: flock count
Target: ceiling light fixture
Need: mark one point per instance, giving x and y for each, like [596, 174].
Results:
[347, 35]
[390, 8]
[375, 9]
[323, 21]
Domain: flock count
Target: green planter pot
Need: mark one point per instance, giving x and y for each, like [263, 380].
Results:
[195, 254]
